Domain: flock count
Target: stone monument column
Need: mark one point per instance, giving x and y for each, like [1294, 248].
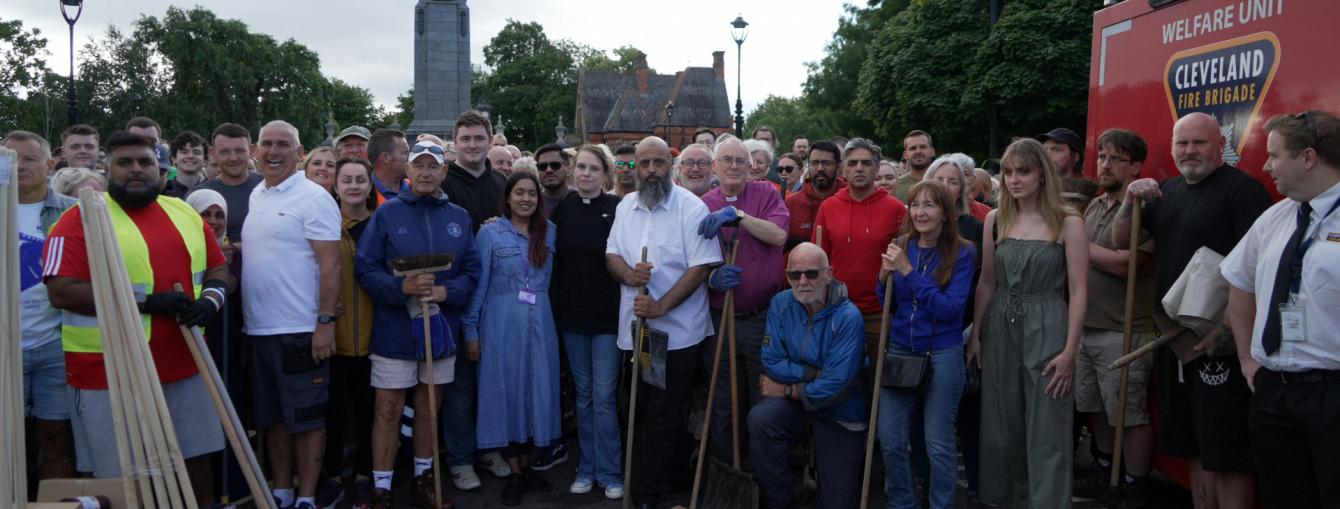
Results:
[441, 66]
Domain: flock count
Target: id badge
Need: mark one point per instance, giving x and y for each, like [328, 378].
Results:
[525, 297]
[1291, 322]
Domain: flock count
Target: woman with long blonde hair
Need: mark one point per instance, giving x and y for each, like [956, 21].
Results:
[1030, 312]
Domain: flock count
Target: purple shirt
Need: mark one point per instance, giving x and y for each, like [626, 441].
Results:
[762, 263]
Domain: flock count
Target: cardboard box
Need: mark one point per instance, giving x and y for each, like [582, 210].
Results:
[53, 505]
[52, 490]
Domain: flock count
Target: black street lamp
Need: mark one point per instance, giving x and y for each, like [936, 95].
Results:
[669, 114]
[72, 111]
[739, 30]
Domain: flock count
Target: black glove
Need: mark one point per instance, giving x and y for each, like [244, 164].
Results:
[167, 303]
[198, 313]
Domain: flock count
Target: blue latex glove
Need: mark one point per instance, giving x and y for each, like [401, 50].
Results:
[726, 277]
[711, 225]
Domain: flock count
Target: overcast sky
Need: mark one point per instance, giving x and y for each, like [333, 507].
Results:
[373, 47]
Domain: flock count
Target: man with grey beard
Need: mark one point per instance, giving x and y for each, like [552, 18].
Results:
[662, 218]
[1203, 398]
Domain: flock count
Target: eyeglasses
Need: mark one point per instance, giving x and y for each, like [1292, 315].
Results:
[690, 163]
[732, 162]
[549, 166]
[1113, 159]
[786, 169]
[628, 164]
[811, 275]
[852, 163]
[432, 149]
[821, 163]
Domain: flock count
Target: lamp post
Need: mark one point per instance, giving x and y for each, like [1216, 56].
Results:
[72, 110]
[669, 114]
[739, 30]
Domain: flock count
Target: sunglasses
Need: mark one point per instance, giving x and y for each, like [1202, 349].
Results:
[811, 275]
[786, 169]
[549, 166]
[432, 149]
[629, 164]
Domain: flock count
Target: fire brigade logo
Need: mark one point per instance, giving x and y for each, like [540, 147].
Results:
[1225, 80]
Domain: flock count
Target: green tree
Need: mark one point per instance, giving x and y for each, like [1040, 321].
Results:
[917, 70]
[22, 70]
[1035, 64]
[403, 114]
[530, 80]
[787, 117]
[831, 87]
[625, 60]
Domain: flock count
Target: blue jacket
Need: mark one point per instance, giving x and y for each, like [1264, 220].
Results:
[406, 226]
[923, 312]
[824, 353]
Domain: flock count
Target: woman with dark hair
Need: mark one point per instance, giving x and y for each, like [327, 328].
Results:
[791, 169]
[932, 269]
[586, 310]
[509, 330]
[1029, 315]
[351, 395]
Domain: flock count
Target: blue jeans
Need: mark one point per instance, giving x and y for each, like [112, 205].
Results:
[940, 401]
[458, 413]
[44, 393]
[593, 360]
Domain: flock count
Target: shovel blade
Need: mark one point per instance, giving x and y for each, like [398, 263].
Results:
[728, 488]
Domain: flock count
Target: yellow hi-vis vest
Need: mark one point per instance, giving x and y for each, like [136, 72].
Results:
[79, 333]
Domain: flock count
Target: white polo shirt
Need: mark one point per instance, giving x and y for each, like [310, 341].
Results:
[1251, 268]
[280, 288]
[670, 231]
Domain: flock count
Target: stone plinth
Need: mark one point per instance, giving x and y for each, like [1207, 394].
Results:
[441, 65]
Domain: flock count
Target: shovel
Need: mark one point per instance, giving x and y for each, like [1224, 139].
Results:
[1114, 482]
[872, 428]
[640, 335]
[418, 265]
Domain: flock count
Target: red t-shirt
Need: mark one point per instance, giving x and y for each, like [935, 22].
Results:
[978, 209]
[65, 255]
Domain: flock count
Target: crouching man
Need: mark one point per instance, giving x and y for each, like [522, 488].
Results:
[813, 356]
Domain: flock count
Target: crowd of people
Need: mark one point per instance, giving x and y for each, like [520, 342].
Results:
[1002, 300]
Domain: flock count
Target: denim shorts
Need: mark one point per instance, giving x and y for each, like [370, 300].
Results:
[45, 395]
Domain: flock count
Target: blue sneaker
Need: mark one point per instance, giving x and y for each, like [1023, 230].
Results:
[614, 490]
[553, 455]
[581, 484]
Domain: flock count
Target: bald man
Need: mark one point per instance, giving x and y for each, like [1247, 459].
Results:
[501, 160]
[813, 356]
[1204, 401]
[662, 218]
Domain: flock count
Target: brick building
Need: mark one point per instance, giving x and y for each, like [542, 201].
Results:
[613, 108]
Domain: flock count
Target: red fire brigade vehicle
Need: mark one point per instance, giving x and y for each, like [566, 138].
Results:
[1242, 61]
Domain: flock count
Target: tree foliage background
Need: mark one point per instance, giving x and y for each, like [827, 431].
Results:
[940, 66]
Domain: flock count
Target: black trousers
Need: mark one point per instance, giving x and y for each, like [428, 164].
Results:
[661, 426]
[349, 415]
[1296, 442]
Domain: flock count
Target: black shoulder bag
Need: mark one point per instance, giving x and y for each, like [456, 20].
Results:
[908, 372]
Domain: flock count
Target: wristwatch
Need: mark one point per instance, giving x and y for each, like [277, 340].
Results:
[787, 392]
[324, 319]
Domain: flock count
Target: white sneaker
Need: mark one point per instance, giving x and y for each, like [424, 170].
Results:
[581, 485]
[614, 490]
[495, 464]
[464, 478]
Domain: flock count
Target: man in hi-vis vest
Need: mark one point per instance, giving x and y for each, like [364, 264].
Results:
[164, 242]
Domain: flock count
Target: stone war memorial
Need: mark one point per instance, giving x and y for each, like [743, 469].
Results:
[441, 66]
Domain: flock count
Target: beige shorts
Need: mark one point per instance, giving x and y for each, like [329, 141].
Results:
[401, 374]
[1096, 387]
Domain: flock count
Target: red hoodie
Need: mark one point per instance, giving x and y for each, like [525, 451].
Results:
[856, 233]
[804, 207]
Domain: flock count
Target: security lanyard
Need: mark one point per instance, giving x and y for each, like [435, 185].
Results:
[1296, 281]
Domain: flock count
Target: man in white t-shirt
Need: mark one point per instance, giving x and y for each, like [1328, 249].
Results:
[290, 286]
[44, 390]
[663, 218]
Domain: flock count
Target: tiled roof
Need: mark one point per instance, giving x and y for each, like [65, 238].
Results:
[613, 103]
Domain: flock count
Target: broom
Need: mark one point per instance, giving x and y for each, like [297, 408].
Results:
[420, 264]
[13, 473]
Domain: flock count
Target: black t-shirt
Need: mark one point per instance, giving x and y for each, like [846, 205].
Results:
[238, 198]
[585, 297]
[479, 196]
[1215, 213]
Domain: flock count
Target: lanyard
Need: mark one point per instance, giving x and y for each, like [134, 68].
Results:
[523, 244]
[1296, 281]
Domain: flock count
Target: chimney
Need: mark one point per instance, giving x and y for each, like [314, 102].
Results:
[641, 72]
[719, 63]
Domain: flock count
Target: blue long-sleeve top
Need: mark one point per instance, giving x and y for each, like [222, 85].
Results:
[825, 353]
[925, 314]
[411, 225]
